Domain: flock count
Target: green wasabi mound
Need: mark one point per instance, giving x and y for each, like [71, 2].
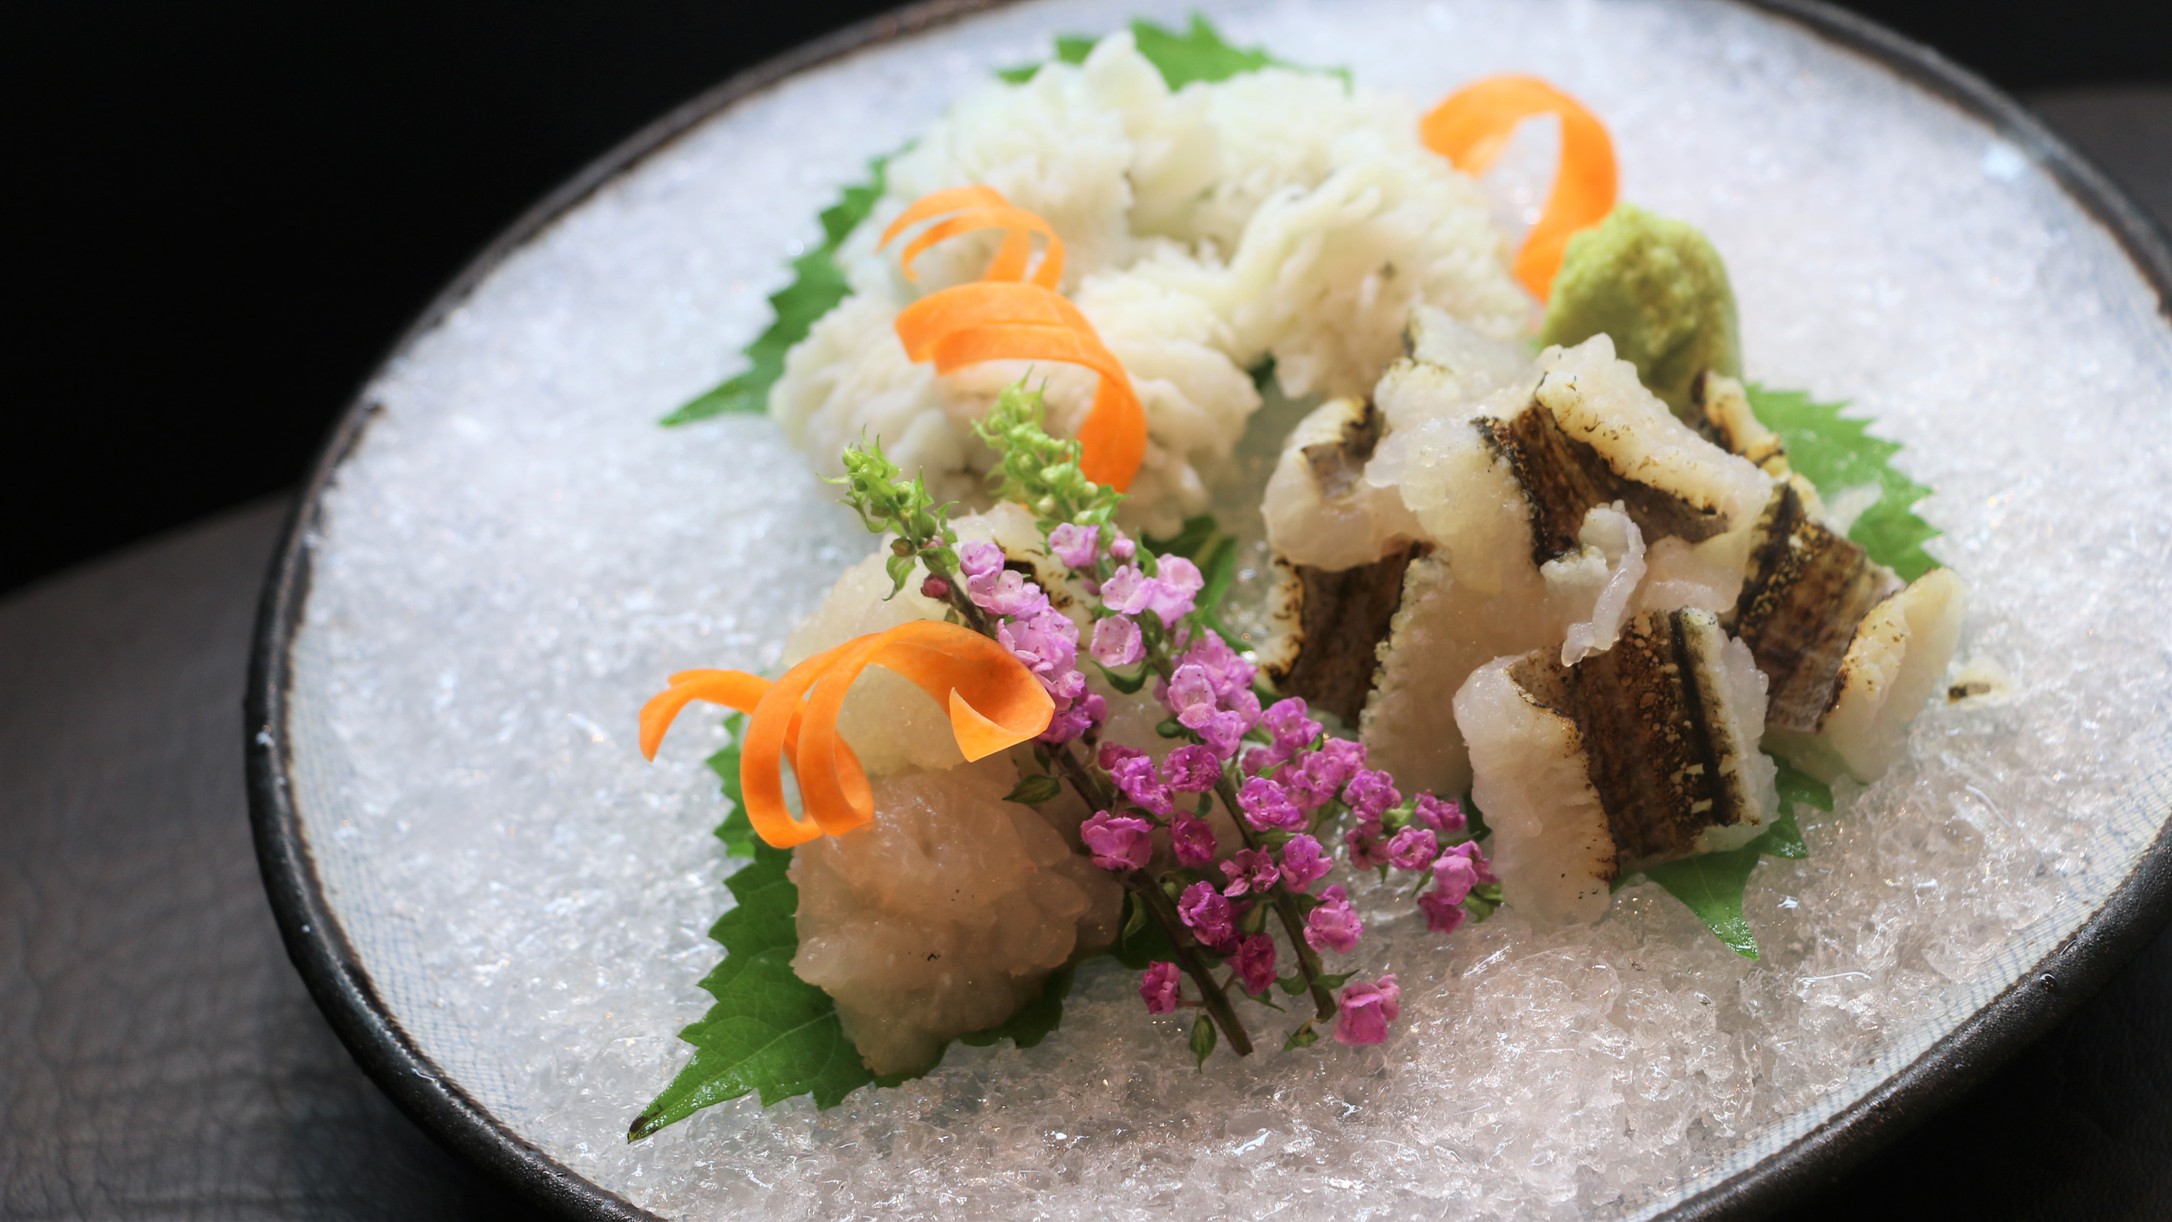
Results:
[1659, 290]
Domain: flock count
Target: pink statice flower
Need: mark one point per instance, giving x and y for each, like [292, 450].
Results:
[1207, 913]
[1118, 842]
[979, 559]
[1191, 696]
[1192, 840]
[1077, 546]
[1112, 754]
[1310, 778]
[1046, 642]
[1442, 914]
[1074, 721]
[1128, 591]
[1413, 848]
[1176, 585]
[1191, 768]
[1366, 1011]
[1440, 814]
[1303, 863]
[935, 588]
[1334, 925]
[1117, 642]
[1340, 759]
[1267, 806]
[1250, 871]
[1225, 670]
[1255, 963]
[1136, 779]
[1366, 844]
[1121, 547]
[1292, 730]
[1158, 986]
[1459, 869]
[1369, 794]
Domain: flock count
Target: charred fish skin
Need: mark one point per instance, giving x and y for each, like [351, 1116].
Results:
[1722, 415]
[1590, 435]
[1319, 507]
[1665, 751]
[1337, 466]
[1807, 592]
[1897, 658]
[1562, 479]
[1333, 623]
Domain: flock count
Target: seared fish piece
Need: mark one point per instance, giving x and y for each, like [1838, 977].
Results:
[1805, 596]
[1331, 623]
[1320, 510]
[1509, 486]
[1642, 754]
[1895, 661]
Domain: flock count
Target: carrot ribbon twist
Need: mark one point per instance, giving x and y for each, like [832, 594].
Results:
[1474, 124]
[1006, 316]
[994, 702]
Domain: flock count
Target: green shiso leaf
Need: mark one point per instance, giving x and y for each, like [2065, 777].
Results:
[736, 832]
[816, 287]
[769, 1032]
[1797, 786]
[1711, 885]
[1836, 453]
[1199, 53]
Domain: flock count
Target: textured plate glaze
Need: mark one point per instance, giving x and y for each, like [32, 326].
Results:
[502, 911]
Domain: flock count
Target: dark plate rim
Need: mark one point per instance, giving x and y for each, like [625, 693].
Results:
[341, 984]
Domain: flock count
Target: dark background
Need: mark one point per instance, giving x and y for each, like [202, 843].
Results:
[233, 209]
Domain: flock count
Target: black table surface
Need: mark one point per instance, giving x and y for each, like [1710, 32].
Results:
[159, 1057]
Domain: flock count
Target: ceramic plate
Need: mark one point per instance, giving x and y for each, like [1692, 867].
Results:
[504, 911]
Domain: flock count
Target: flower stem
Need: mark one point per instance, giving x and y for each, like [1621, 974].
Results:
[1308, 962]
[1213, 996]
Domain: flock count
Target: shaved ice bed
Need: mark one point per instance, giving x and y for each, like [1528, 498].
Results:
[514, 556]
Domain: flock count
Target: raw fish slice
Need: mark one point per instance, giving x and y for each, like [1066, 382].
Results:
[1593, 434]
[1658, 735]
[1551, 845]
[1445, 628]
[1511, 487]
[944, 914]
[1898, 655]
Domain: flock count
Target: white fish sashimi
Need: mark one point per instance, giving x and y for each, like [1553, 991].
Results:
[1551, 846]
[1896, 660]
[945, 913]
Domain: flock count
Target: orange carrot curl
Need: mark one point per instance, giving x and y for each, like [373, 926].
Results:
[995, 703]
[1006, 316]
[1474, 124]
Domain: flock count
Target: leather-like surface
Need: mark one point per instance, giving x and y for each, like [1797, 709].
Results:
[159, 1057]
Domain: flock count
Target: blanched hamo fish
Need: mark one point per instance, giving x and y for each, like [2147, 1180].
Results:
[1851, 654]
[945, 914]
[1641, 754]
[1556, 523]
